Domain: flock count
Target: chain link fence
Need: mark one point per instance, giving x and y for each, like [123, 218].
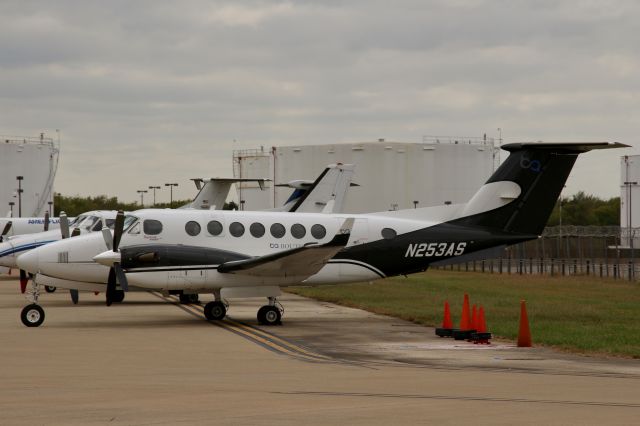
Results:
[604, 251]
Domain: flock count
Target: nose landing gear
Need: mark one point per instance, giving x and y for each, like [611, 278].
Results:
[33, 315]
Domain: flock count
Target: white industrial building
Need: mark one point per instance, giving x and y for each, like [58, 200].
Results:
[630, 200]
[391, 175]
[27, 171]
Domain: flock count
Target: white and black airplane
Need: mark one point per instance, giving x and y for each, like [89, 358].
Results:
[247, 254]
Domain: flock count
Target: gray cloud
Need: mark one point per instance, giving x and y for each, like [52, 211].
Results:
[158, 91]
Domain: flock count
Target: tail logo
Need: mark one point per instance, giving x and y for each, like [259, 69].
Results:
[533, 165]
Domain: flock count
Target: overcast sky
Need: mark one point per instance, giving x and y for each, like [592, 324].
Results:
[148, 92]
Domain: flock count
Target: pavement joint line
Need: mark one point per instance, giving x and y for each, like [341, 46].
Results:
[257, 336]
[462, 398]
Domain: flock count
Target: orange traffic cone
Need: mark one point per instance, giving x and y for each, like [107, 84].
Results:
[524, 333]
[482, 324]
[447, 325]
[465, 320]
[446, 321]
[474, 318]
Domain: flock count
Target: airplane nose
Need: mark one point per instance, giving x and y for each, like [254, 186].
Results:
[29, 261]
[6, 254]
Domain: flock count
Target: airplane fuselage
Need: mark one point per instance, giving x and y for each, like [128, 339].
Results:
[181, 250]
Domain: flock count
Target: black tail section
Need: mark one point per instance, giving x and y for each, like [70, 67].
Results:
[540, 170]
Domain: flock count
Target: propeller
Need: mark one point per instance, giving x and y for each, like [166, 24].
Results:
[5, 231]
[113, 258]
[24, 279]
[64, 225]
[46, 221]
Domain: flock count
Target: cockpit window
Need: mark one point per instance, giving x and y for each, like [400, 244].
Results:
[97, 226]
[87, 223]
[77, 220]
[111, 223]
[128, 222]
[152, 226]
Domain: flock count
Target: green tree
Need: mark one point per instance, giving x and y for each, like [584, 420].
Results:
[584, 210]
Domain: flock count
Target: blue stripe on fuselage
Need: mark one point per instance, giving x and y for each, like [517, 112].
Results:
[24, 248]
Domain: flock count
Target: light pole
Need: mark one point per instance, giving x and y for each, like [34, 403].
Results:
[11, 204]
[154, 194]
[142, 192]
[20, 178]
[171, 185]
[630, 231]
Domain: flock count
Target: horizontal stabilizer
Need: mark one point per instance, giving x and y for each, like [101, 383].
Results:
[570, 147]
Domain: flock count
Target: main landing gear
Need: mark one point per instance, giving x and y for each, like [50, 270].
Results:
[186, 299]
[216, 310]
[270, 314]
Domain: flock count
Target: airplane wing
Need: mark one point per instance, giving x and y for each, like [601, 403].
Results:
[299, 262]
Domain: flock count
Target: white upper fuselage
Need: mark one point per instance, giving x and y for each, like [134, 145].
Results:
[27, 225]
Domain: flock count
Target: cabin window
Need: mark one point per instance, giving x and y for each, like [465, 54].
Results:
[278, 230]
[214, 228]
[97, 226]
[298, 231]
[192, 228]
[318, 231]
[111, 222]
[388, 233]
[152, 227]
[257, 229]
[236, 229]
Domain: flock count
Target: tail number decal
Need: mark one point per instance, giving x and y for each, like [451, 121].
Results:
[435, 249]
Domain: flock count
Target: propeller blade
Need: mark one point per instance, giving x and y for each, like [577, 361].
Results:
[108, 238]
[122, 278]
[64, 225]
[5, 231]
[111, 286]
[74, 295]
[46, 221]
[117, 229]
[23, 280]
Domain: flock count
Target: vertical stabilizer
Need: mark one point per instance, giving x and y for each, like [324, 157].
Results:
[520, 195]
[327, 194]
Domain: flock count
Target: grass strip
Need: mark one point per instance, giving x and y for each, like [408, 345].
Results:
[578, 313]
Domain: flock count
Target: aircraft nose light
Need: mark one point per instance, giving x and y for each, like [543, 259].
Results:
[107, 258]
[29, 261]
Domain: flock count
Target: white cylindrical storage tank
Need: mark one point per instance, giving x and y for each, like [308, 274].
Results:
[391, 175]
[630, 200]
[35, 160]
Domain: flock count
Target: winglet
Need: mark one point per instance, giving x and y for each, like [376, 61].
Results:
[344, 232]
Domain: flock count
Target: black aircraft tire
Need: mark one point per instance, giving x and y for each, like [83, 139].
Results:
[215, 311]
[118, 296]
[49, 289]
[32, 315]
[269, 315]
